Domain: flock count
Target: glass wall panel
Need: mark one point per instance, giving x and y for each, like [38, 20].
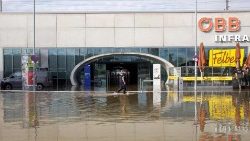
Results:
[207, 70]
[61, 57]
[61, 61]
[107, 50]
[83, 53]
[190, 56]
[8, 59]
[144, 50]
[77, 56]
[189, 69]
[89, 53]
[52, 59]
[117, 50]
[130, 49]
[16, 60]
[154, 51]
[182, 54]
[100, 77]
[97, 51]
[173, 56]
[164, 53]
[70, 61]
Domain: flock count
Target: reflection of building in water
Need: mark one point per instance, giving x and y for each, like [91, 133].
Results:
[219, 106]
[206, 136]
[1, 114]
[30, 110]
[202, 117]
[124, 104]
[231, 113]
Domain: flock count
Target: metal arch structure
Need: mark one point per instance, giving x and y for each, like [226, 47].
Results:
[73, 76]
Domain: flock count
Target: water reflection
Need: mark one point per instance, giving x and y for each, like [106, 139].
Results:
[137, 116]
[30, 110]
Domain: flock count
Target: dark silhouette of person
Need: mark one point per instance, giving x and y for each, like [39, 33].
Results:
[123, 85]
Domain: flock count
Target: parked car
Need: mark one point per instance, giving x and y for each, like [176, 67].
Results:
[15, 80]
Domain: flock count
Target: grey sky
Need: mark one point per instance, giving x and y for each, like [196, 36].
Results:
[121, 5]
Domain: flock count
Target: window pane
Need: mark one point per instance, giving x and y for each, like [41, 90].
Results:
[182, 57]
[173, 56]
[97, 51]
[61, 59]
[7, 65]
[89, 53]
[190, 55]
[16, 60]
[164, 53]
[107, 50]
[83, 53]
[154, 51]
[52, 59]
[70, 59]
[7, 51]
[144, 50]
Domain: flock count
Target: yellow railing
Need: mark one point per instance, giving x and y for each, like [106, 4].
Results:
[207, 78]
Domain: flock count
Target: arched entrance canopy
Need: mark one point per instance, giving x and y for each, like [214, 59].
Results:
[165, 64]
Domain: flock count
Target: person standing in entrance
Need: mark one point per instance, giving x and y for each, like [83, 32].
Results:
[123, 85]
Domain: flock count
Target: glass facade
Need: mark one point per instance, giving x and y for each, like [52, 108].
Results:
[61, 61]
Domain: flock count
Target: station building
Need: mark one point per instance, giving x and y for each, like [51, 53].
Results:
[106, 42]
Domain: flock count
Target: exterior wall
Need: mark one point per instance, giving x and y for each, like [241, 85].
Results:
[110, 30]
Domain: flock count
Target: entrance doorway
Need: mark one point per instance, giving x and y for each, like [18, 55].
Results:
[105, 69]
[106, 75]
[114, 77]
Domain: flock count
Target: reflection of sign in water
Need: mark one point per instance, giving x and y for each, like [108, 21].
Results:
[223, 57]
[220, 107]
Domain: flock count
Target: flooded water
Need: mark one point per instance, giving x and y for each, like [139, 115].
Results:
[89, 116]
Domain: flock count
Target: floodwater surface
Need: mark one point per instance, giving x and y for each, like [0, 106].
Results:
[88, 116]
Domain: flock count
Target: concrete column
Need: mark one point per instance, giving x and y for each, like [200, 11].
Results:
[1, 63]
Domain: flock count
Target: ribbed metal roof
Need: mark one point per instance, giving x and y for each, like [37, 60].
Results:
[94, 6]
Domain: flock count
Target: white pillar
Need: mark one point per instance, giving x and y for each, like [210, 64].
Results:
[157, 85]
[1, 63]
[156, 77]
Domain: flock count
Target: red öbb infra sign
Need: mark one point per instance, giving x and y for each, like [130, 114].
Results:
[219, 25]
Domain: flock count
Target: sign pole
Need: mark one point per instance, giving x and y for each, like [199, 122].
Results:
[195, 71]
[34, 69]
[195, 50]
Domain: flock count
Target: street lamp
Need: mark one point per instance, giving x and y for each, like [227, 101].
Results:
[195, 50]
[34, 45]
[195, 66]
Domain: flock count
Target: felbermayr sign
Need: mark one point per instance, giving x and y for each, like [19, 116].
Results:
[232, 24]
[223, 57]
